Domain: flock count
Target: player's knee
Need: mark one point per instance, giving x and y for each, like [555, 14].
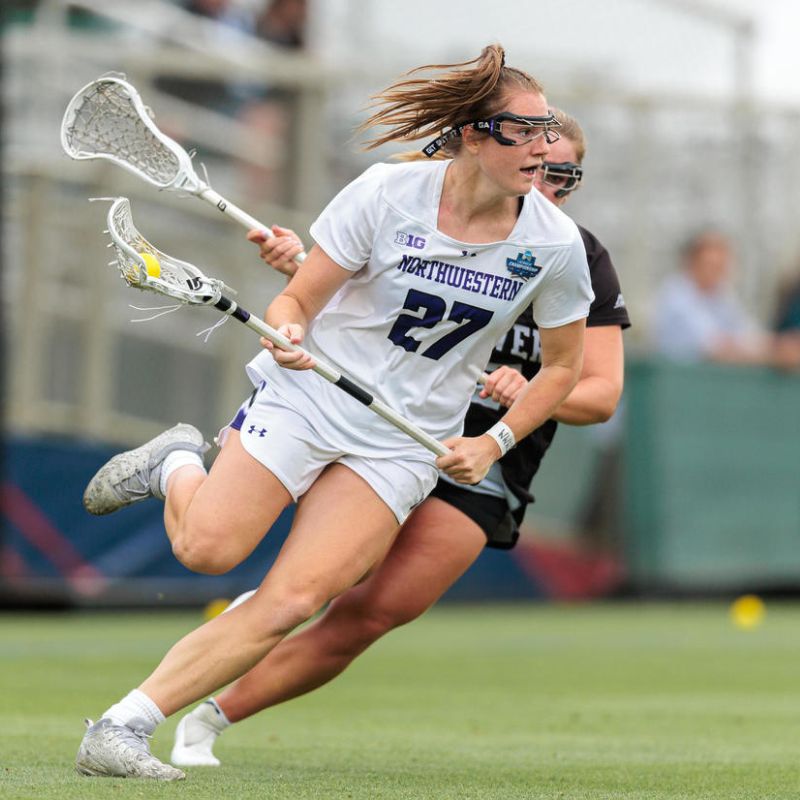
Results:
[368, 623]
[293, 606]
[393, 616]
[203, 553]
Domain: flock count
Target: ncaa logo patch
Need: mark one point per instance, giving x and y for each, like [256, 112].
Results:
[524, 265]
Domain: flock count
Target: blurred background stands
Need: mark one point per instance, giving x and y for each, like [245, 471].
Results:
[268, 93]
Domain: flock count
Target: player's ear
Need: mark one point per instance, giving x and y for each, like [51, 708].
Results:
[471, 139]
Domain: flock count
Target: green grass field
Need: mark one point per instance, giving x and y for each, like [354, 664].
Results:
[605, 701]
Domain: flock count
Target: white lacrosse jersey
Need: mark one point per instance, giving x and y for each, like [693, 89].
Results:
[416, 323]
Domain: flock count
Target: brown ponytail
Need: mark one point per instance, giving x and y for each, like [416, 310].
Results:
[419, 107]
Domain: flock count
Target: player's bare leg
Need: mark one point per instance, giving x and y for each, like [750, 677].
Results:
[433, 549]
[212, 537]
[325, 554]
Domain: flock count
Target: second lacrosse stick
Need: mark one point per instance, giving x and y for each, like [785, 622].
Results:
[137, 259]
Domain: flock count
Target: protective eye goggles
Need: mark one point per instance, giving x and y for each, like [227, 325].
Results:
[564, 176]
[507, 129]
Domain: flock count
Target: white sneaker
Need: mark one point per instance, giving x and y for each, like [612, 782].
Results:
[120, 751]
[136, 474]
[195, 737]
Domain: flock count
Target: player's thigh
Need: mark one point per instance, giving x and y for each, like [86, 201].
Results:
[239, 501]
[435, 546]
[341, 529]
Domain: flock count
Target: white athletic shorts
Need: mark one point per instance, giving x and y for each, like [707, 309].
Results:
[281, 438]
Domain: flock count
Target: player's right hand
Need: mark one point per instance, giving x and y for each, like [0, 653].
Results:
[503, 385]
[279, 249]
[290, 359]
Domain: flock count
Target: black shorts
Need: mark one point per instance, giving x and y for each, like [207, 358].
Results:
[491, 514]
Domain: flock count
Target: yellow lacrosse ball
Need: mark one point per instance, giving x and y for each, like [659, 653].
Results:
[747, 611]
[152, 264]
[215, 608]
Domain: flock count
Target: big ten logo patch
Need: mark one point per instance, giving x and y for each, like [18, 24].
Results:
[409, 240]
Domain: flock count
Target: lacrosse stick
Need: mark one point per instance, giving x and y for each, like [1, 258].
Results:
[107, 119]
[145, 267]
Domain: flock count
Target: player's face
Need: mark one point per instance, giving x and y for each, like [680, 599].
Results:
[513, 169]
[561, 152]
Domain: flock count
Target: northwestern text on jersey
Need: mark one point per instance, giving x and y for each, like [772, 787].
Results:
[470, 280]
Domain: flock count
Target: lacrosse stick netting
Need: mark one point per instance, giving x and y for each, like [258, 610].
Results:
[187, 284]
[108, 119]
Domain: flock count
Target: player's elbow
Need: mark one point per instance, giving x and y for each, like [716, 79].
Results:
[603, 411]
[604, 403]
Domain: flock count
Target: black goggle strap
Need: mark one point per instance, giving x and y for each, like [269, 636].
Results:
[492, 127]
[441, 141]
[565, 169]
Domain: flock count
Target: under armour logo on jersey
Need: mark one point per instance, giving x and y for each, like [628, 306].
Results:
[523, 265]
[467, 253]
[262, 432]
[620, 302]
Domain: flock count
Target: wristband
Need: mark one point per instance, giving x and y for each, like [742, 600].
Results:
[503, 435]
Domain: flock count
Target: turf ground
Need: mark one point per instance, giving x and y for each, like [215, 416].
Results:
[606, 701]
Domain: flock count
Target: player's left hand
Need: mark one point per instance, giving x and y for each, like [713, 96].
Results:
[503, 385]
[469, 459]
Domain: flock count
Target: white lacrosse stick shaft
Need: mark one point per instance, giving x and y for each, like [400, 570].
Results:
[206, 193]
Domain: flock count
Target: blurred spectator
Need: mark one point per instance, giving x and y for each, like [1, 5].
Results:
[787, 317]
[787, 325]
[283, 22]
[268, 116]
[225, 11]
[279, 22]
[697, 316]
[221, 95]
[264, 110]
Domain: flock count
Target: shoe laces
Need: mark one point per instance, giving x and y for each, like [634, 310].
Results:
[132, 740]
[135, 485]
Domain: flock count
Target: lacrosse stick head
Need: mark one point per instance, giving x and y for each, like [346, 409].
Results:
[107, 119]
[177, 279]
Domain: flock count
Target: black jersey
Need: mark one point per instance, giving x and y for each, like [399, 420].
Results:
[521, 347]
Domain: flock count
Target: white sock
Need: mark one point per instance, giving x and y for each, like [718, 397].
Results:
[212, 715]
[175, 460]
[136, 705]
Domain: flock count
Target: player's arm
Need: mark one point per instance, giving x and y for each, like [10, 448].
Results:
[303, 298]
[562, 355]
[597, 393]
[562, 358]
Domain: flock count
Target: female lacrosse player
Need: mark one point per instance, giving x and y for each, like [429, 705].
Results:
[418, 268]
[444, 535]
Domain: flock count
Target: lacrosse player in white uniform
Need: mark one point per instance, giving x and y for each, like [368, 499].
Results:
[448, 531]
[417, 270]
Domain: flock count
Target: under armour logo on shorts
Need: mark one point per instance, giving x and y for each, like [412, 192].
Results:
[261, 431]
